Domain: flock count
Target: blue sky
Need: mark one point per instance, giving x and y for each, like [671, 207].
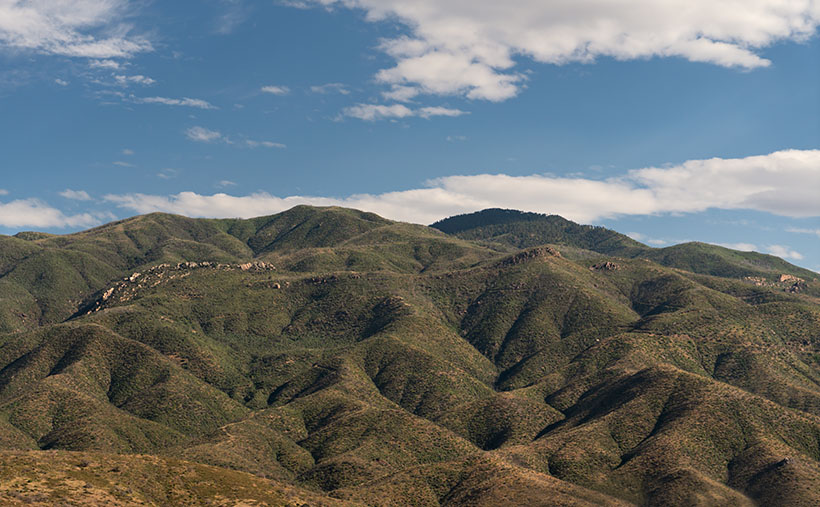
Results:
[671, 121]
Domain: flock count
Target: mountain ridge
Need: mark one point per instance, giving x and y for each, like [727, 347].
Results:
[349, 358]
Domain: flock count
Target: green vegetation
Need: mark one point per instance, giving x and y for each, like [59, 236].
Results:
[327, 356]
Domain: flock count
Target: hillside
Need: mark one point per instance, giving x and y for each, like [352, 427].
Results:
[327, 356]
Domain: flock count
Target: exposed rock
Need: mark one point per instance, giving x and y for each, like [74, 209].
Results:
[605, 266]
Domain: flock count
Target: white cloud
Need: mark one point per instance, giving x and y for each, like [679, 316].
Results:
[3, 191]
[372, 112]
[77, 195]
[783, 183]
[137, 79]
[104, 64]
[804, 231]
[401, 93]
[265, 144]
[743, 247]
[225, 183]
[36, 213]
[469, 47]
[168, 174]
[61, 82]
[330, 88]
[296, 4]
[123, 164]
[185, 102]
[276, 90]
[75, 28]
[127, 152]
[203, 135]
[784, 252]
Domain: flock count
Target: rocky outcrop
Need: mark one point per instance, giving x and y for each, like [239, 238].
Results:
[126, 289]
[605, 266]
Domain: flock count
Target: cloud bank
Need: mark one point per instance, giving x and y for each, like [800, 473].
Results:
[36, 213]
[468, 47]
[783, 183]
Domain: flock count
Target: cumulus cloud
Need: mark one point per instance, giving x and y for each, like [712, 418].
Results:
[276, 90]
[373, 112]
[77, 195]
[36, 213]
[774, 183]
[784, 252]
[74, 28]
[185, 102]
[469, 47]
[61, 82]
[743, 247]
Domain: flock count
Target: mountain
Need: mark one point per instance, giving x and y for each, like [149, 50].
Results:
[327, 356]
[517, 229]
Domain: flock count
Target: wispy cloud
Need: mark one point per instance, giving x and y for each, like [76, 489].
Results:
[168, 173]
[264, 144]
[3, 191]
[183, 102]
[276, 90]
[799, 230]
[123, 164]
[127, 152]
[136, 79]
[61, 82]
[76, 195]
[203, 135]
[86, 29]
[225, 184]
[330, 88]
[104, 64]
[373, 112]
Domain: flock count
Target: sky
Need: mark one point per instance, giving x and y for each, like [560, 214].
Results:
[668, 120]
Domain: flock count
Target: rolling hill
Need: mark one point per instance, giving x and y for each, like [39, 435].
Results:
[327, 356]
